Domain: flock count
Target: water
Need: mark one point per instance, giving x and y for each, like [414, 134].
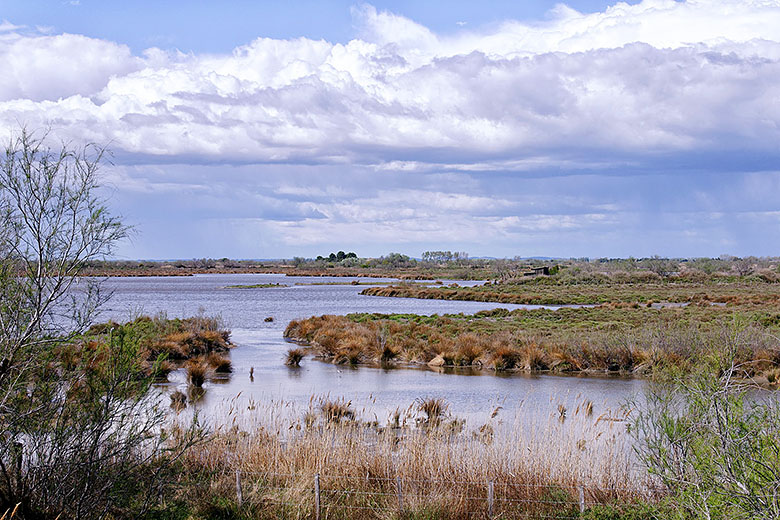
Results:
[374, 392]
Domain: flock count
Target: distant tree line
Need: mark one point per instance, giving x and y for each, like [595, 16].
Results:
[337, 257]
[445, 257]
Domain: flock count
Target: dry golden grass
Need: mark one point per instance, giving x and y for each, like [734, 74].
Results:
[196, 372]
[178, 400]
[535, 468]
[294, 357]
[220, 363]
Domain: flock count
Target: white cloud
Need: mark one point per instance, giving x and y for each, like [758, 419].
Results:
[406, 137]
[6, 26]
[706, 76]
[40, 68]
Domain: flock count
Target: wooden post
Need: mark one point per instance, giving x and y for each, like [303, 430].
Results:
[582, 499]
[399, 492]
[490, 499]
[317, 496]
[239, 495]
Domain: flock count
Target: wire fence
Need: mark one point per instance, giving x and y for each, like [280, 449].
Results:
[321, 496]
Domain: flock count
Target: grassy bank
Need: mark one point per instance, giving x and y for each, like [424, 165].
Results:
[613, 338]
[561, 291]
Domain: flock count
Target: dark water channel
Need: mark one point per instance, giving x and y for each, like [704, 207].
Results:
[374, 392]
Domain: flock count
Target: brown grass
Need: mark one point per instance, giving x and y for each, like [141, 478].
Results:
[294, 357]
[196, 372]
[220, 363]
[443, 472]
[178, 400]
[335, 410]
[622, 340]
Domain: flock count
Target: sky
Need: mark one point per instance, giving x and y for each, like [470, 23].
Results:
[270, 129]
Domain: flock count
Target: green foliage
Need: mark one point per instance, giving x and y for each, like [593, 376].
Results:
[712, 440]
[80, 432]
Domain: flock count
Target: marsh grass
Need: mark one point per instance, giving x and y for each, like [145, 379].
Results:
[178, 400]
[161, 345]
[294, 357]
[196, 372]
[219, 363]
[536, 470]
[334, 411]
[622, 340]
[623, 289]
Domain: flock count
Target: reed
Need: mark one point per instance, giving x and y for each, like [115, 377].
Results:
[536, 469]
[335, 410]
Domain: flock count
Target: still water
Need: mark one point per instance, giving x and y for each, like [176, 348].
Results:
[373, 392]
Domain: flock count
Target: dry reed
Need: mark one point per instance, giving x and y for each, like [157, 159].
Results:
[535, 469]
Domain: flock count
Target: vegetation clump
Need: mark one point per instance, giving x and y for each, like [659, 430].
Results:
[334, 411]
[604, 339]
[440, 466]
[294, 357]
[257, 286]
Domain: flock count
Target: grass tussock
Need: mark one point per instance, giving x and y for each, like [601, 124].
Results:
[178, 400]
[196, 372]
[219, 363]
[294, 357]
[334, 411]
[161, 345]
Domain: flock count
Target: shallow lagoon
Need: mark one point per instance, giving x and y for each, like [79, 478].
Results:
[374, 392]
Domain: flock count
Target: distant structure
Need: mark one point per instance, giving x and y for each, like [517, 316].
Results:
[537, 271]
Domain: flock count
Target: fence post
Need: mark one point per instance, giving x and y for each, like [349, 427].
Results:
[399, 492]
[239, 495]
[490, 499]
[317, 496]
[582, 499]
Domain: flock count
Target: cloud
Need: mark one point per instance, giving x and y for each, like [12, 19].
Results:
[642, 129]
[6, 26]
[656, 77]
[54, 68]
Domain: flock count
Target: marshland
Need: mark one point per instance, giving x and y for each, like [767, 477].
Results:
[449, 401]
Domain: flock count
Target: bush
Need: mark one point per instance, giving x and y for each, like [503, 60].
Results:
[711, 440]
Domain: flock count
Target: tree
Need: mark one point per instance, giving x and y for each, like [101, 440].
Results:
[72, 435]
[663, 267]
[51, 224]
[744, 266]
